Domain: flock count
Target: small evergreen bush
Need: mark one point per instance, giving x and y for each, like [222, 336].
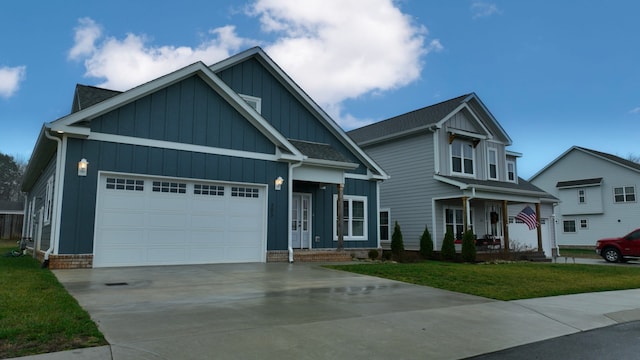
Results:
[448, 250]
[397, 244]
[426, 244]
[373, 254]
[468, 246]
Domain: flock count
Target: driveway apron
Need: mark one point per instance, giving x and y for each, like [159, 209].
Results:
[287, 311]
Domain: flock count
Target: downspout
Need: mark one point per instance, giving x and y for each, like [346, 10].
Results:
[290, 213]
[54, 224]
[473, 195]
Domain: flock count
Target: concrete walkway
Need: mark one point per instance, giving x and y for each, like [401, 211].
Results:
[303, 311]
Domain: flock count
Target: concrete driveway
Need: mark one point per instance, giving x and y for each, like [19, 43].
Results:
[299, 311]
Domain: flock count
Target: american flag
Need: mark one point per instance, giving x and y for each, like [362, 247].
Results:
[528, 216]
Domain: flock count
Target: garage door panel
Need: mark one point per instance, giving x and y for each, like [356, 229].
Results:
[195, 223]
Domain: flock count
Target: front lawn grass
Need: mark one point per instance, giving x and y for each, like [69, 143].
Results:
[508, 281]
[37, 315]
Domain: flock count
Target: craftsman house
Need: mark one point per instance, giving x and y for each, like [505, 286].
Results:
[450, 170]
[228, 163]
[597, 193]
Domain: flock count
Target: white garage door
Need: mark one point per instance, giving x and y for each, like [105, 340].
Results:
[157, 221]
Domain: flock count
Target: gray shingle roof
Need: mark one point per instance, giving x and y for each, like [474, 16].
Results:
[86, 96]
[522, 185]
[405, 122]
[580, 182]
[318, 151]
[613, 158]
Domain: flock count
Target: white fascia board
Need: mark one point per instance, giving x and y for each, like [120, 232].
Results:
[182, 146]
[513, 153]
[487, 133]
[70, 130]
[306, 99]
[331, 164]
[461, 185]
[552, 163]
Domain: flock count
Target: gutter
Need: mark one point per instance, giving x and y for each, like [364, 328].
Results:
[54, 223]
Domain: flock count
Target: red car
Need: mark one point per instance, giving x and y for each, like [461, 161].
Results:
[618, 249]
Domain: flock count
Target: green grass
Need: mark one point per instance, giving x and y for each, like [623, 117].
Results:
[37, 315]
[509, 281]
[579, 252]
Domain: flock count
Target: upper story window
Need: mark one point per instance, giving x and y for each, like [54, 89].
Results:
[582, 196]
[462, 157]
[254, 102]
[492, 158]
[624, 194]
[511, 171]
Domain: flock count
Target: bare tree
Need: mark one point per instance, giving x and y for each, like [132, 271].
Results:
[634, 158]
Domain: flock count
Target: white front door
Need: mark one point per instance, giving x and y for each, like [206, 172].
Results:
[301, 221]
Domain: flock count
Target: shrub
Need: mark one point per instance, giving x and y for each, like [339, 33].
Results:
[468, 246]
[448, 251]
[386, 255]
[426, 244]
[373, 254]
[397, 244]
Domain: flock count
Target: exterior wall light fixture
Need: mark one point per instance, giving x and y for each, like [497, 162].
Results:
[279, 181]
[83, 165]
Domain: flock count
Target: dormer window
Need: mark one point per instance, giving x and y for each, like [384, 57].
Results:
[462, 157]
[254, 102]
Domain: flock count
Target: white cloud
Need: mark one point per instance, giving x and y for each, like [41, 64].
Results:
[335, 50]
[10, 79]
[482, 9]
[635, 111]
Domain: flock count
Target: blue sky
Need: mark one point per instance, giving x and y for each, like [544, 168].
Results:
[554, 73]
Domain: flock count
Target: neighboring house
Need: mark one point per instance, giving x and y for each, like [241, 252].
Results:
[228, 163]
[597, 193]
[450, 169]
[11, 218]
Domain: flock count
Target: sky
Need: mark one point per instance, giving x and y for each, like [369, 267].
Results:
[553, 73]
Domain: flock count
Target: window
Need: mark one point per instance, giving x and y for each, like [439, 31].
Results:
[169, 187]
[582, 197]
[624, 194]
[584, 224]
[354, 217]
[493, 163]
[124, 184]
[462, 157]
[384, 225]
[454, 222]
[245, 192]
[213, 190]
[48, 201]
[511, 171]
[569, 226]
[254, 102]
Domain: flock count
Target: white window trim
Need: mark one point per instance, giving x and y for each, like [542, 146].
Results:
[515, 171]
[584, 196]
[624, 194]
[493, 157]
[575, 226]
[454, 209]
[251, 100]
[473, 158]
[389, 231]
[586, 224]
[48, 201]
[348, 217]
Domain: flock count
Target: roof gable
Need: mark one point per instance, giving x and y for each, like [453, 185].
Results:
[616, 160]
[74, 123]
[430, 118]
[256, 54]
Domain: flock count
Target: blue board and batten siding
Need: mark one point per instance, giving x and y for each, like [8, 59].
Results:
[282, 109]
[38, 195]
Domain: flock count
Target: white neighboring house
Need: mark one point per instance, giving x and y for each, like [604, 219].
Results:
[597, 192]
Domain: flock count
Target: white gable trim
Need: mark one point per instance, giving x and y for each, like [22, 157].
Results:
[65, 124]
[487, 134]
[337, 130]
[182, 146]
